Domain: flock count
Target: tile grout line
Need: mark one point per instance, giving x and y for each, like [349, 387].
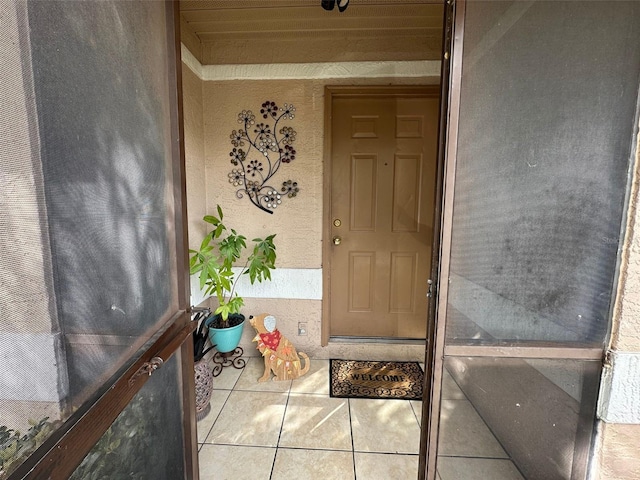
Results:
[506, 459]
[284, 414]
[312, 449]
[353, 447]
[204, 441]
[415, 414]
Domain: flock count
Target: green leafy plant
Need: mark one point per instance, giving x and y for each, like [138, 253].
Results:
[16, 447]
[123, 450]
[219, 252]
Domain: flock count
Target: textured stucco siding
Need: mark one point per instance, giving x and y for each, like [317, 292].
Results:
[617, 450]
[618, 457]
[297, 222]
[194, 155]
[626, 319]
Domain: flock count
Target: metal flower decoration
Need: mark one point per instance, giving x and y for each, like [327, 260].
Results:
[259, 150]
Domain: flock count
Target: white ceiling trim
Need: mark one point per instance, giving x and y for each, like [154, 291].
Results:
[191, 61]
[311, 71]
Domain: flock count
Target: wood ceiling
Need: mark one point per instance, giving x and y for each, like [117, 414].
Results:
[301, 31]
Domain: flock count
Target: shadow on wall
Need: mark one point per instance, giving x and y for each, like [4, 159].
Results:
[103, 113]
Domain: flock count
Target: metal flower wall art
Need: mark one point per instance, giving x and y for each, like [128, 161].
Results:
[260, 148]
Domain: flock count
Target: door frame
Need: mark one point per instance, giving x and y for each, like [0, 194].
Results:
[433, 358]
[354, 91]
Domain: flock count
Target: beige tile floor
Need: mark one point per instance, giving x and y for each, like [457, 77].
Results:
[293, 429]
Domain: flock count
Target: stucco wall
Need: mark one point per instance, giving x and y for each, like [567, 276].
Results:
[617, 454]
[298, 221]
[626, 319]
[194, 155]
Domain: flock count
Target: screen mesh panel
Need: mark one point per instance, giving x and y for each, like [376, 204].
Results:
[516, 418]
[144, 441]
[103, 122]
[32, 383]
[548, 110]
[88, 263]
[548, 99]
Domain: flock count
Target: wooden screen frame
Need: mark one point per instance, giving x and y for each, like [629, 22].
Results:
[433, 377]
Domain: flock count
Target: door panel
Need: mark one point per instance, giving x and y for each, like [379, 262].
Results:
[383, 181]
[404, 269]
[105, 184]
[363, 195]
[407, 184]
[532, 224]
[361, 281]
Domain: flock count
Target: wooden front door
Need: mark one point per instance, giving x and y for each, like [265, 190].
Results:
[383, 166]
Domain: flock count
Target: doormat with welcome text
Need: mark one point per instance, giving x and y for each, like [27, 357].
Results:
[368, 379]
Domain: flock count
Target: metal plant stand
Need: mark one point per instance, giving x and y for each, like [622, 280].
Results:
[228, 359]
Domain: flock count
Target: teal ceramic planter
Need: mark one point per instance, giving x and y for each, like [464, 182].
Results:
[225, 339]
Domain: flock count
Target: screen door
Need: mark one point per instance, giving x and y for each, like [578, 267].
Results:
[93, 294]
[541, 123]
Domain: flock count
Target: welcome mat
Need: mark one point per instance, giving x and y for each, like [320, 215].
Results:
[368, 379]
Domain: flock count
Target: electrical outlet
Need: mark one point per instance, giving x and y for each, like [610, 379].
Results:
[302, 328]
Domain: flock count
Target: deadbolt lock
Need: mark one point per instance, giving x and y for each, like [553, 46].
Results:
[337, 222]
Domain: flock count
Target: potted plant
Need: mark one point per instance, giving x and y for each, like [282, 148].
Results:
[214, 262]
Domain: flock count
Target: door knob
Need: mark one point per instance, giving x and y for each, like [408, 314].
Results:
[337, 240]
